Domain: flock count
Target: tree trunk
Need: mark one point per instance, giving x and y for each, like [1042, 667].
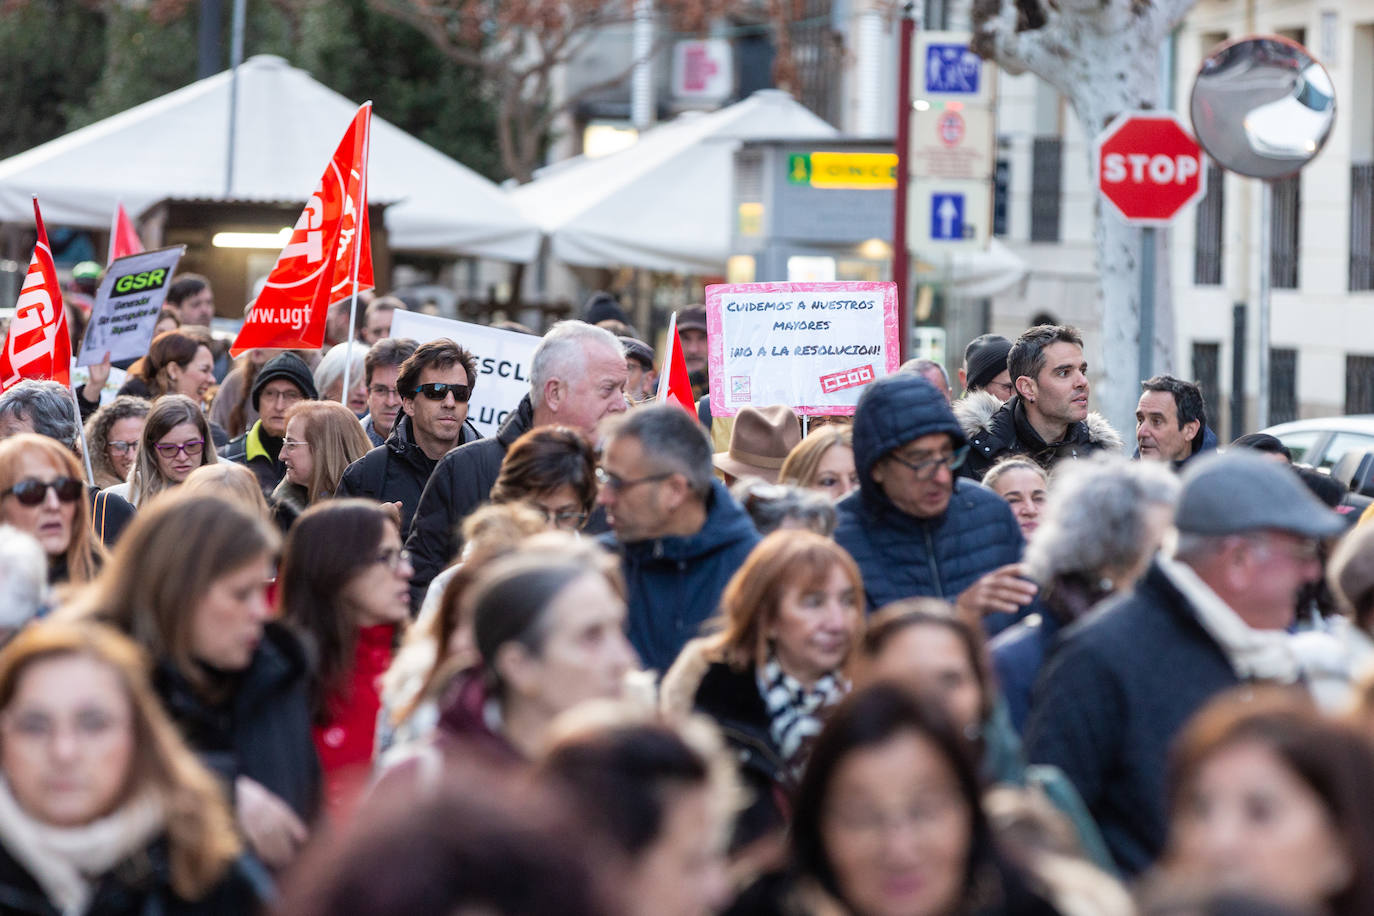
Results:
[1104, 58]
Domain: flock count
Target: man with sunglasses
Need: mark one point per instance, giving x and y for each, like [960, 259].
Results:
[914, 526]
[46, 408]
[435, 383]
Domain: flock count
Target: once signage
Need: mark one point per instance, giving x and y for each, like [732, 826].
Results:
[852, 171]
[1149, 167]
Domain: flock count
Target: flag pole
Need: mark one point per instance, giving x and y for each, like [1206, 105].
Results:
[664, 375]
[81, 437]
[357, 249]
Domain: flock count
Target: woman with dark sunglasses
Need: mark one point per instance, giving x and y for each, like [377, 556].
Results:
[43, 494]
[176, 440]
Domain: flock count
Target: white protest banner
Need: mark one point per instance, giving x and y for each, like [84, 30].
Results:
[127, 305]
[811, 346]
[503, 362]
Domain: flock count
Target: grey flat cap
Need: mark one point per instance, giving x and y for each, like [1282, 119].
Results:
[1238, 491]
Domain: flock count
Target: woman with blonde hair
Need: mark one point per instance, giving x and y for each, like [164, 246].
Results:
[823, 461]
[188, 582]
[117, 815]
[791, 620]
[176, 440]
[322, 439]
[231, 481]
[43, 493]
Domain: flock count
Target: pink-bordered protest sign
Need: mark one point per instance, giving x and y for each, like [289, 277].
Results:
[811, 346]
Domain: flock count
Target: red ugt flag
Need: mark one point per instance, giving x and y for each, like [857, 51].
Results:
[673, 384]
[316, 267]
[124, 241]
[38, 344]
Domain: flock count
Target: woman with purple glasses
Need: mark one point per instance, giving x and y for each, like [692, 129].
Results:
[176, 440]
[43, 494]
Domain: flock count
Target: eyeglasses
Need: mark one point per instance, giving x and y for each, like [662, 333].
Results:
[290, 445]
[383, 391]
[1304, 551]
[32, 491]
[921, 815]
[927, 469]
[437, 391]
[122, 447]
[568, 521]
[393, 558]
[620, 485]
[170, 450]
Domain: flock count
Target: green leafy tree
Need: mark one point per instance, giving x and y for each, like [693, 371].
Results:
[51, 54]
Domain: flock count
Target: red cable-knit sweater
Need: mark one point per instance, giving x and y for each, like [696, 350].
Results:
[346, 741]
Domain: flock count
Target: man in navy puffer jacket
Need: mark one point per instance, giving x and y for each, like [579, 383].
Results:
[916, 528]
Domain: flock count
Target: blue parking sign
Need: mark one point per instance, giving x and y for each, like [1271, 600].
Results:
[952, 68]
[946, 217]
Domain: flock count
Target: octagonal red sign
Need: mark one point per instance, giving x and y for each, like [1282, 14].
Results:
[1148, 167]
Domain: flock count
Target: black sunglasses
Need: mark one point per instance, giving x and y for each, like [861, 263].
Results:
[437, 391]
[33, 491]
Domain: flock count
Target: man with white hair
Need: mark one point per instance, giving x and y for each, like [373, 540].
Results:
[23, 580]
[577, 378]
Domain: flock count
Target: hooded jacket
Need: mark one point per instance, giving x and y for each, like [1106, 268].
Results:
[675, 582]
[900, 555]
[461, 482]
[995, 430]
[261, 729]
[250, 451]
[397, 470]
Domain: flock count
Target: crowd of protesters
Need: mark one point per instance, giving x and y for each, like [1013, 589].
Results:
[290, 648]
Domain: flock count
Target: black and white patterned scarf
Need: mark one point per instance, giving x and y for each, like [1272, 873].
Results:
[794, 711]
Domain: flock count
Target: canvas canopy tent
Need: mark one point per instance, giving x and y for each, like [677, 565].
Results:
[175, 147]
[665, 203]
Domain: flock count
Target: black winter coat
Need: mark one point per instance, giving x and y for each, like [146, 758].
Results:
[141, 886]
[262, 729]
[996, 430]
[461, 482]
[1116, 690]
[268, 472]
[396, 471]
[731, 698]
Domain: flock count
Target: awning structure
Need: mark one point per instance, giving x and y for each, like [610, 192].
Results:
[664, 203]
[175, 148]
[975, 274]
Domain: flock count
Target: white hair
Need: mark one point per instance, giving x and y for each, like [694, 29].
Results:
[562, 354]
[1095, 518]
[23, 577]
[331, 368]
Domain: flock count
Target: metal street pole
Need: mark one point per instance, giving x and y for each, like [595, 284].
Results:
[1147, 302]
[1266, 242]
[901, 258]
[235, 58]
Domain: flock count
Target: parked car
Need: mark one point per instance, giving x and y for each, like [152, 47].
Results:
[1321, 442]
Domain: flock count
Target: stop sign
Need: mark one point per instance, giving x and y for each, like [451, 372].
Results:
[1148, 166]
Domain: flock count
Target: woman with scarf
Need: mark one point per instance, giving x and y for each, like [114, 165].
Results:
[791, 619]
[103, 809]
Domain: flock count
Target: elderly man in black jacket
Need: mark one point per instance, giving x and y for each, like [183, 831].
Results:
[1121, 683]
[435, 383]
[577, 377]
